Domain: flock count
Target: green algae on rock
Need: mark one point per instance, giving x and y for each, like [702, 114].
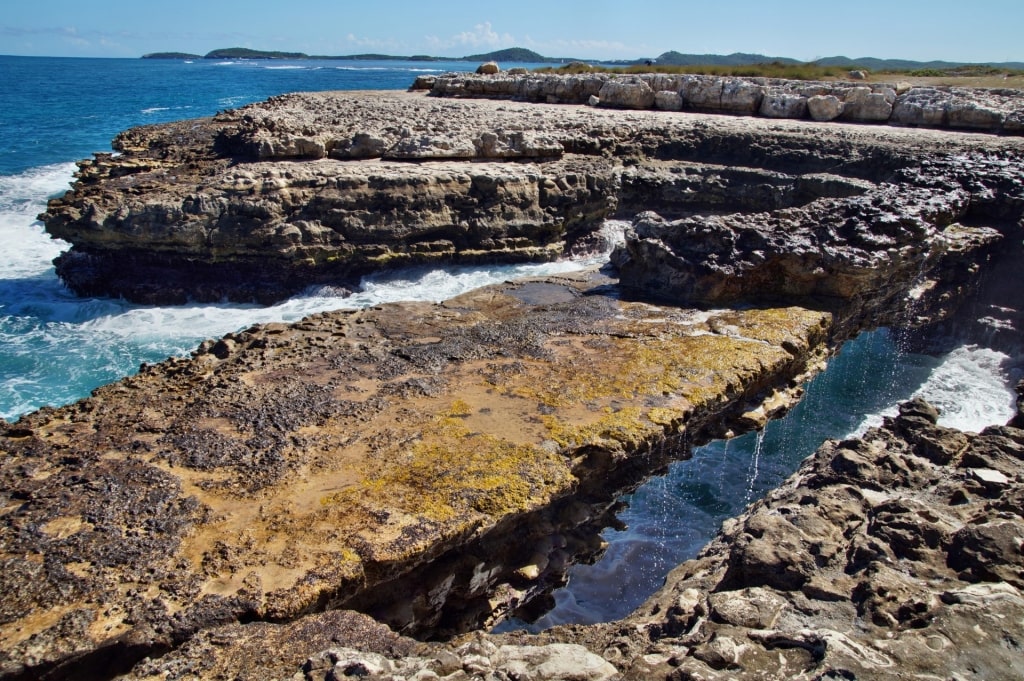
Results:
[286, 468]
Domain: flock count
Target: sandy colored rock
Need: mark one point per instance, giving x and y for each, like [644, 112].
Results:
[355, 455]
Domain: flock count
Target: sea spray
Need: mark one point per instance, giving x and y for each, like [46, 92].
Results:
[55, 347]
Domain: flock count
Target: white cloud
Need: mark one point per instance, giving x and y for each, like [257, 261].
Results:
[352, 40]
[482, 35]
[600, 49]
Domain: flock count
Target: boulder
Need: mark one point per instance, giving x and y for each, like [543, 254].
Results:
[780, 104]
[627, 93]
[863, 104]
[824, 107]
[668, 100]
[488, 68]
[741, 97]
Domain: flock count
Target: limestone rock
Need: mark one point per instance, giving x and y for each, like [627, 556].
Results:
[488, 68]
[894, 103]
[883, 236]
[864, 104]
[824, 107]
[415, 448]
[778, 104]
[627, 94]
[917, 576]
[668, 100]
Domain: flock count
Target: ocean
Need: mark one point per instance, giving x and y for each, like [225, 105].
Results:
[55, 347]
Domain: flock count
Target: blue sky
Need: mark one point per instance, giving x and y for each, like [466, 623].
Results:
[978, 31]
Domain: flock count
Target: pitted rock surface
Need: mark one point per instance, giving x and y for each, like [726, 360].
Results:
[460, 454]
[873, 561]
[308, 189]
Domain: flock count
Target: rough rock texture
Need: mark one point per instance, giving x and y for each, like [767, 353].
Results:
[463, 454]
[895, 555]
[321, 188]
[992, 110]
[458, 454]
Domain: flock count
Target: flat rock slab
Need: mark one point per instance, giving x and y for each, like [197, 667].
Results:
[286, 469]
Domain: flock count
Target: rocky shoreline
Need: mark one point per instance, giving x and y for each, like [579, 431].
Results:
[900, 103]
[895, 555]
[315, 189]
[437, 466]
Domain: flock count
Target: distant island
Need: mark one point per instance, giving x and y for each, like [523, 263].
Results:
[522, 55]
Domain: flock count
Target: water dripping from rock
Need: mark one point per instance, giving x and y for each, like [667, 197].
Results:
[670, 518]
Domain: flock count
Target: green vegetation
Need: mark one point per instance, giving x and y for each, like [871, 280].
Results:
[513, 54]
[965, 71]
[246, 53]
[790, 71]
[171, 55]
[674, 58]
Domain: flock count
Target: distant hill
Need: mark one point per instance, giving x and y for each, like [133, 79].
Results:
[735, 59]
[246, 53]
[671, 58]
[171, 55]
[513, 54]
[874, 64]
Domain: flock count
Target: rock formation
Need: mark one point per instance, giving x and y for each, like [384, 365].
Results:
[212, 516]
[993, 110]
[894, 555]
[458, 454]
[321, 188]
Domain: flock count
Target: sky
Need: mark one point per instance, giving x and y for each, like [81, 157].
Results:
[978, 31]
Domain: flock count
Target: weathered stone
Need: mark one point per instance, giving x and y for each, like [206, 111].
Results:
[488, 68]
[668, 100]
[778, 104]
[824, 107]
[356, 455]
[627, 94]
[554, 662]
[896, 103]
[866, 105]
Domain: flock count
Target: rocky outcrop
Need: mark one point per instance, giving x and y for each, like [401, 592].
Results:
[897, 554]
[459, 454]
[857, 256]
[321, 188]
[463, 454]
[995, 110]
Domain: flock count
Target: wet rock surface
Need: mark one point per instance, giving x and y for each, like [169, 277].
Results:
[875, 560]
[459, 455]
[897, 554]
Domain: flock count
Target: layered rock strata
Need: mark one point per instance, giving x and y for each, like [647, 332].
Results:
[457, 454]
[893, 555]
[320, 188]
[991, 110]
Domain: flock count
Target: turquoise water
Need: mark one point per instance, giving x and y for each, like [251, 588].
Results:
[55, 347]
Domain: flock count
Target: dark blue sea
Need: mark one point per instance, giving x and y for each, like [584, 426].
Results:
[55, 347]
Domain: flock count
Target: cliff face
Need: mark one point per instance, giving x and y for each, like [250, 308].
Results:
[321, 188]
